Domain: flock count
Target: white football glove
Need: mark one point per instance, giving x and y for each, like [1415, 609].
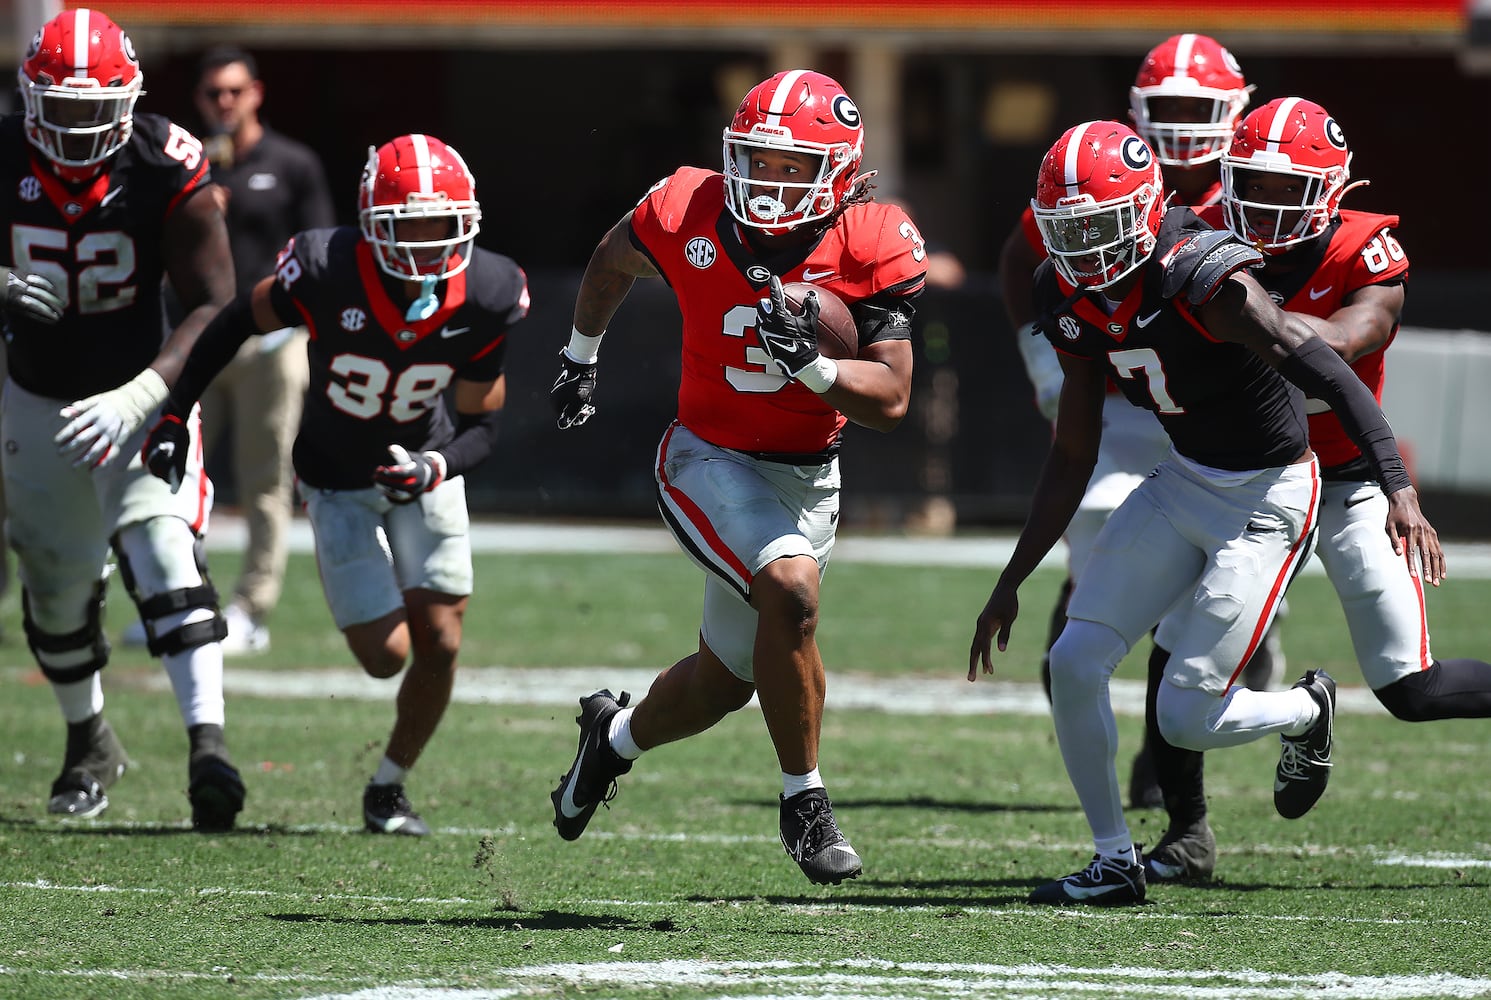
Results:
[1042, 366]
[98, 426]
[407, 476]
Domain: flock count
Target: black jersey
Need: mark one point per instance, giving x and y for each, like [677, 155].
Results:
[1220, 403]
[275, 189]
[377, 379]
[102, 245]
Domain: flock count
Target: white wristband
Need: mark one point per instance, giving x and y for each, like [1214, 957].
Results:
[582, 348]
[820, 375]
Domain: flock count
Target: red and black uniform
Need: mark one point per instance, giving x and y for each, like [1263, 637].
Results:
[376, 378]
[102, 245]
[1219, 402]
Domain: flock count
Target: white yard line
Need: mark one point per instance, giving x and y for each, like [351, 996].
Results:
[1471, 560]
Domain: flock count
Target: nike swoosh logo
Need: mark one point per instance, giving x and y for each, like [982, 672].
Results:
[1279, 786]
[567, 800]
[1144, 321]
[109, 197]
[446, 331]
[1320, 293]
[816, 275]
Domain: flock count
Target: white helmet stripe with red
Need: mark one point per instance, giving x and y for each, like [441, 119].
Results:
[80, 35]
[1074, 151]
[1281, 120]
[783, 93]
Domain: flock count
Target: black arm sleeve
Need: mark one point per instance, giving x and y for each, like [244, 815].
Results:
[1319, 371]
[476, 436]
[217, 345]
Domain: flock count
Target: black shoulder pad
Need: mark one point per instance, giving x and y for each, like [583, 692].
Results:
[1199, 264]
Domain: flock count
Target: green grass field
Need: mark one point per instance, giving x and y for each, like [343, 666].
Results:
[953, 793]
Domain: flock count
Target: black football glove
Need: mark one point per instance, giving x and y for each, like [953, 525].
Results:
[573, 391]
[165, 449]
[32, 296]
[408, 475]
[790, 341]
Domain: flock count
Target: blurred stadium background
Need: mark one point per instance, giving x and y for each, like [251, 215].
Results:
[568, 111]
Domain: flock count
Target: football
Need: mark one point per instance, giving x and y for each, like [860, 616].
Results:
[838, 337]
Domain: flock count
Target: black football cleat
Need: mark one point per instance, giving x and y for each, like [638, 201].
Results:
[1305, 760]
[812, 838]
[1188, 854]
[216, 792]
[385, 809]
[1104, 882]
[94, 760]
[591, 779]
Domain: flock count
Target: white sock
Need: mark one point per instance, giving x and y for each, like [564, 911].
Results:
[620, 736]
[80, 700]
[196, 674]
[389, 773]
[1117, 849]
[795, 784]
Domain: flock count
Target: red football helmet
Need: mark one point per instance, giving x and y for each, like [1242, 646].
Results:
[79, 81]
[1299, 142]
[418, 177]
[1199, 71]
[804, 112]
[1099, 199]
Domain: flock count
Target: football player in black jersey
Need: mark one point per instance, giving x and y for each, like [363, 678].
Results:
[101, 205]
[1162, 304]
[398, 313]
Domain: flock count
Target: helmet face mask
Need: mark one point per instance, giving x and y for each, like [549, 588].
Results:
[792, 152]
[1284, 175]
[1187, 98]
[79, 83]
[1098, 204]
[417, 208]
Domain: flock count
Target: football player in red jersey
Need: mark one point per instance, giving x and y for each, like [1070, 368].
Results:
[101, 205]
[1162, 304]
[1185, 101]
[1345, 273]
[399, 311]
[748, 475]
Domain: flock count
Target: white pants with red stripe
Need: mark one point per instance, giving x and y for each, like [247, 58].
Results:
[1383, 602]
[732, 514]
[1209, 550]
[60, 519]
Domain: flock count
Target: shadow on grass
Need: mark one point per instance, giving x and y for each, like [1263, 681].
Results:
[541, 920]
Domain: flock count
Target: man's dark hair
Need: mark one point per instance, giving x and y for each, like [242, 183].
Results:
[226, 55]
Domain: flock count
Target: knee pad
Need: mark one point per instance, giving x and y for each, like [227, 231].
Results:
[165, 571]
[67, 657]
[1409, 698]
[1084, 657]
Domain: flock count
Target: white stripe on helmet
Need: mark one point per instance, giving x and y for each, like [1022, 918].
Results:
[1281, 120]
[1074, 149]
[80, 35]
[1183, 55]
[422, 163]
[783, 92]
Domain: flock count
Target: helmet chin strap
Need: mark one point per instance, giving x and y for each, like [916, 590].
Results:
[424, 307]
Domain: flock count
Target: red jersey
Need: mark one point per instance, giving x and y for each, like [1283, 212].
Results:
[1360, 250]
[731, 394]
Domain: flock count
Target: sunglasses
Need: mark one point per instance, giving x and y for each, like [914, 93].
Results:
[213, 93]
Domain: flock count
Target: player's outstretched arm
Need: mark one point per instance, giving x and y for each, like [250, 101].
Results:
[1063, 480]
